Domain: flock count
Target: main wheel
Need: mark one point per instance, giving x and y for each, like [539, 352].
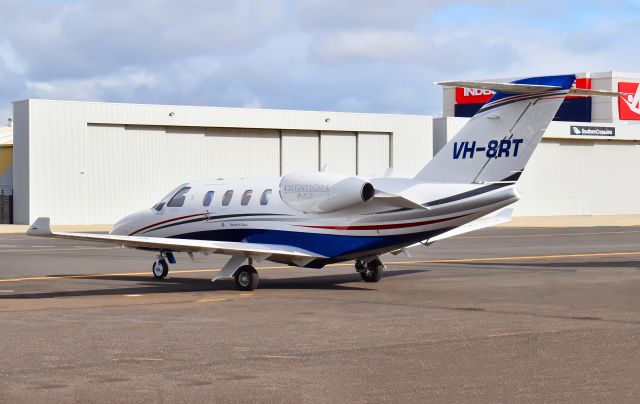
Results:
[361, 266]
[160, 269]
[374, 271]
[246, 278]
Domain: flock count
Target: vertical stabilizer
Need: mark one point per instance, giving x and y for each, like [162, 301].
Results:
[496, 144]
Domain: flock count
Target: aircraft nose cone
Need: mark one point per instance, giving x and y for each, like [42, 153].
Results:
[123, 227]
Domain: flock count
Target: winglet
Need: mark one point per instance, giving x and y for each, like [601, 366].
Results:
[41, 227]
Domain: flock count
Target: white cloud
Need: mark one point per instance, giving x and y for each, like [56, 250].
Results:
[360, 55]
[11, 60]
[361, 46]
[352, 104]
[357, 14]
[94, 88]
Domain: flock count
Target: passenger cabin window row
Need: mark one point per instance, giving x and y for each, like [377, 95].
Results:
[228, 195]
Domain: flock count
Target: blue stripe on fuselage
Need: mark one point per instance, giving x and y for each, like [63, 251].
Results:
[330, 245]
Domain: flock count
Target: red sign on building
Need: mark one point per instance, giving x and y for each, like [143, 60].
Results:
[583, 83]
[629, 106]
[472, 95]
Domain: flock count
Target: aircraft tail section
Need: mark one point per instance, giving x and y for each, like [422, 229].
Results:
[496, 144]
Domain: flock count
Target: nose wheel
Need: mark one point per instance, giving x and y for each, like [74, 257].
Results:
[246, 278]
[160, 268]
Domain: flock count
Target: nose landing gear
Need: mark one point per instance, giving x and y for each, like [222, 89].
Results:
[160, 268]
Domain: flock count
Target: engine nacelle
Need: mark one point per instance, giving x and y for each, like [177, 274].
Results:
[319, 192]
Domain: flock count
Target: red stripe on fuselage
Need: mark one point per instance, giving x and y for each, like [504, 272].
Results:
[385, 226]
[166, 221]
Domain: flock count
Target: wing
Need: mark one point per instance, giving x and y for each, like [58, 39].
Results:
[482, 223]
[42, 228]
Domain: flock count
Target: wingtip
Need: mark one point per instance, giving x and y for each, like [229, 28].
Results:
[41, 227]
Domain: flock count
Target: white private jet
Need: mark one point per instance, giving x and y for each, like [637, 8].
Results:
[311, 219]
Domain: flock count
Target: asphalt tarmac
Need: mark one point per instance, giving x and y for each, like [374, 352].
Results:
[499, 315]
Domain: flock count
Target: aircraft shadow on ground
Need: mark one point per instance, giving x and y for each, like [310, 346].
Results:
[146, 285]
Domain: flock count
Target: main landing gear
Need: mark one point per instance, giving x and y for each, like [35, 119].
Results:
[370, 271]
[245, 275]
[246, 278]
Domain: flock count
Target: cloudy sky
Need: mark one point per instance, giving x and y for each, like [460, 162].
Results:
[342, 55]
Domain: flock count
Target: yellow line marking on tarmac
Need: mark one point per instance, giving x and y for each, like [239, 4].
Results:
[58, 249]
[554, 234]
[509, 334]
[212, 300]
[522, 258]
[345, 264]
[246, 294]
[132, 295]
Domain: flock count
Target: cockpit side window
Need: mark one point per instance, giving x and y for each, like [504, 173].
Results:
[178, 199]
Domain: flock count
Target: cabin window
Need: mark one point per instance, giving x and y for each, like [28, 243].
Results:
[208, 197]
[246, 197]
[264, 198]
[178, 199]
[226, 198]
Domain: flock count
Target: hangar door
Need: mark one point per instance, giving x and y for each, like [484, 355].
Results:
[129, 168]
[352, 153]
[347, 153]
[374, 153]
[300, 151]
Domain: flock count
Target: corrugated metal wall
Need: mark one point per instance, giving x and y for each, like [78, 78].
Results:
[164, 157]
[96, 162]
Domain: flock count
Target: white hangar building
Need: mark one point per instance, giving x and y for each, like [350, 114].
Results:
[92, 163]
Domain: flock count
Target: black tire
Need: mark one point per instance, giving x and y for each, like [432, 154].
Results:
[160, 269]
[246, 278]
[374, 271]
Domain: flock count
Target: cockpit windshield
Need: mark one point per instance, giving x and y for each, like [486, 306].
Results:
[160, 205]
[178, 199]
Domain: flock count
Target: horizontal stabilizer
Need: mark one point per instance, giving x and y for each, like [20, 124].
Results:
[398, 200]
[603, 93]
[512, 88]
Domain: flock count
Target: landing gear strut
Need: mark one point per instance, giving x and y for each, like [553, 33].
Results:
[160, 268]
[370, 271]
[246, 278]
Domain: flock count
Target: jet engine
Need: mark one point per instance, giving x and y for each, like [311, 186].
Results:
[319, 192]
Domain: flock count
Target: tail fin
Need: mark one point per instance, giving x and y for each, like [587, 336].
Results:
[495, 145]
